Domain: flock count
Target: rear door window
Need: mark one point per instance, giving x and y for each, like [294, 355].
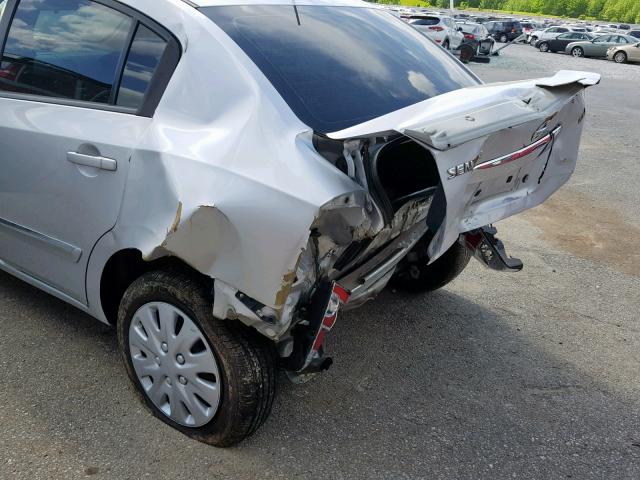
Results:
[64, 48]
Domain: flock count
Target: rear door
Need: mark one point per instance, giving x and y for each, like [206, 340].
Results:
[601, 44]
[75, 81]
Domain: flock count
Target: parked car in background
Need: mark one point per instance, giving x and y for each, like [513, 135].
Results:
[480, 19]
[599, 46]
[440, 28]
[634, 33]
[624, 53]
[504, 30]
[559, 44]
[579, 28]
[547, 34]
[478, 37]
[528, 28]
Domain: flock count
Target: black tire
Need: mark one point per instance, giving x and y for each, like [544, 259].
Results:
[533, 40]
[246, 359]
[445, 45]
[544, 47]
[417, 276]
[577, 52]
[620, 57]
[467, 53]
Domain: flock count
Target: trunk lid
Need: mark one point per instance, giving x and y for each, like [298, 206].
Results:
[499, 148]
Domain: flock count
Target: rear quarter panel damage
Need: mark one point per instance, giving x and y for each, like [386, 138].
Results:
[211, 184]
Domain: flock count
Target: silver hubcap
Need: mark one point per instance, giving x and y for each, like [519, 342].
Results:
[577, 52]
[174, 364]
[544, 47]
[619, 58]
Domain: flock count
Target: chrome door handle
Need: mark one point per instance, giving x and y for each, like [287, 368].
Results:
[95, 161]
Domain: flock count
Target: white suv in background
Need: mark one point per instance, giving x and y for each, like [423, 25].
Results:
[439, 28]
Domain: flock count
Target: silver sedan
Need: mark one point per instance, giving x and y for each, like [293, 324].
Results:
[598, 47]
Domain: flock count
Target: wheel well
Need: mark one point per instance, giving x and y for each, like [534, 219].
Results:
[124, 267]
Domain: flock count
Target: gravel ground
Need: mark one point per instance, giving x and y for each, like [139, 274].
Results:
[530, 375]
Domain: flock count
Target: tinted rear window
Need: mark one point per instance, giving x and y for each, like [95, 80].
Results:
[425, 21]
[340, 66]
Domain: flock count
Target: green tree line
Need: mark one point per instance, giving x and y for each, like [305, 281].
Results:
[627, 11]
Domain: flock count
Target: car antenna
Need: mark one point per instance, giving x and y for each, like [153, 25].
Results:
[295, 9]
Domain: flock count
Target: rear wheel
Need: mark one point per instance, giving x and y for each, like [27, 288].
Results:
[577, 52]
[213, 380]
[467, 53]
[544, 47]
[415, 275]
[620, 57]
[533, 40]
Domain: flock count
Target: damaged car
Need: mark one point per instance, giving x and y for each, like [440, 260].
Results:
[217, 181]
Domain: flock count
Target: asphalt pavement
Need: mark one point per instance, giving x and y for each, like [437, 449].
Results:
[528, 375]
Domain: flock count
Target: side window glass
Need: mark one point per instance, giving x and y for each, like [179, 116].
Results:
[3, 3]
[64, 48]
[145, 54]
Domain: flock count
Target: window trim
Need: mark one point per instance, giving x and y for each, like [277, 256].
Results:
[157, 86]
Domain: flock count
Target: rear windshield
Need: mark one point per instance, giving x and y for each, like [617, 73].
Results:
[424, 20]
[466, 28]
[340, 66]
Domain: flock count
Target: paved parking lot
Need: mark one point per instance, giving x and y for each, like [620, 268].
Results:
[530, 375]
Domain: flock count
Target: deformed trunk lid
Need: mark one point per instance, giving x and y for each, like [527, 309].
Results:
[455, 117]
[499, 148]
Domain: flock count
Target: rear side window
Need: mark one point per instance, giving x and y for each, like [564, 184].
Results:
[64, 48]
[145, 54]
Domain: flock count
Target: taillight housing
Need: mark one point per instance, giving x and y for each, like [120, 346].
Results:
[436, 28]
[469, 36]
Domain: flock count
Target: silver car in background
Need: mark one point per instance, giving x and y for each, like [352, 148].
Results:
[218, 180]
[599, 46]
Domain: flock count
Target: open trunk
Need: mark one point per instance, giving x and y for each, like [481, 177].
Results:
[468, 158]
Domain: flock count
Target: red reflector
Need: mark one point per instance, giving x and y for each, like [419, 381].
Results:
[469, 36]
[317, 343]
[341, 292]
[329, 322]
